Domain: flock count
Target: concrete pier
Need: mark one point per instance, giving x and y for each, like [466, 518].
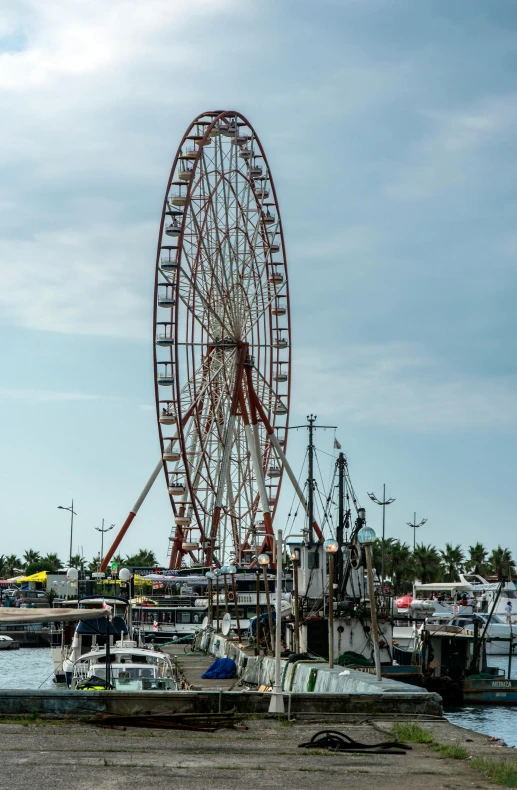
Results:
[64, 754]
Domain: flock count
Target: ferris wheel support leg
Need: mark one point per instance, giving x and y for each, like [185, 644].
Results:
[132, 513]
[259, 474]
[283, 460]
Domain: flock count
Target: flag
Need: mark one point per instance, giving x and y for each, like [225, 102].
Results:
[337, 446]
[105, 606]
[155, 625]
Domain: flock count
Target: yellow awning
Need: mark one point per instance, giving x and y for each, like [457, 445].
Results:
[41, 576]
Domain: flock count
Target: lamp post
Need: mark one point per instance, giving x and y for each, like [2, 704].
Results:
[257, 629]
[414, 527]
[210, 577]
[217, 573]
[103, 531]
[331, 546]
[294, 558]
[366, 536]
[383, 503]
[263, 561]
[276, 704]
[72, 514]
[232, 570]
[124, 576]
[224, 571]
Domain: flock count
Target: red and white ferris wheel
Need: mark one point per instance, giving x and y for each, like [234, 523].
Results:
[222, 348]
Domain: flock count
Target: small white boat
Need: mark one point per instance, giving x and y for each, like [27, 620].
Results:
[6, 643]
[129, 668]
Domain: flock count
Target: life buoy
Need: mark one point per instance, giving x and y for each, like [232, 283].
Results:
[230, 596]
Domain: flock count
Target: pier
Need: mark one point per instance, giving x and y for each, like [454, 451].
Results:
[64, 754]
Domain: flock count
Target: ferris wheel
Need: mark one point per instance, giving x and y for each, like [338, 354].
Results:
[222, 351]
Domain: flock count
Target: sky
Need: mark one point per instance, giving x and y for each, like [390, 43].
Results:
[390, 128]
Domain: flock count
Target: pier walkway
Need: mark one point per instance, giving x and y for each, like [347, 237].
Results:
[64, 754]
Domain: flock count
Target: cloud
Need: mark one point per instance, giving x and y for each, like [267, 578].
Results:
[401, 386]
[456, 148]
[46, 396]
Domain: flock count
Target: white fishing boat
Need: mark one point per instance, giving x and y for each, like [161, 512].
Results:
[124, 667]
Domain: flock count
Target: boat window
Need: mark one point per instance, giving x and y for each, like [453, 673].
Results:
[183, 617]
[132, 673]
[313, 560]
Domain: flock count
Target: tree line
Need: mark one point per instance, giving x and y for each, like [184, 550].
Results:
[428, 564]
[34, 562]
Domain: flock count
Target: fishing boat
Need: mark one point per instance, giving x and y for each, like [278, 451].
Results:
[69, 640]
[123, 667]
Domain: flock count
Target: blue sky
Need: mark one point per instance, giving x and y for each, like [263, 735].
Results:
[390, 127]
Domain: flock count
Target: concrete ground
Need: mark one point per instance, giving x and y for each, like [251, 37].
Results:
[62, 755]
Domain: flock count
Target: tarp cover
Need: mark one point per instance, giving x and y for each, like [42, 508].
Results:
[221, 668]
[22, 616]
[116, 627]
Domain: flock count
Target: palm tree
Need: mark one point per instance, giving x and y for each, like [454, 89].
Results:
[3, 567]
[144, 557]
[54, 561]
[501, 562]
[478, 560]
[12, 564]
[400, 565]
[452, 561]
[428, 565]
[31, 556]
[76, 561]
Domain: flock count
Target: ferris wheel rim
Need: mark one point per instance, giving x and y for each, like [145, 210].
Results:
[181, 417]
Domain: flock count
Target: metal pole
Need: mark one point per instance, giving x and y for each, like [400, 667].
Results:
[373, 612]
[226, 610]
[510, 654]
[277, 700]
[310, 483]
[236, 607]
[217, 600]
[71, 532]
[296, 608]
[268, 604]
[383, 531]
[257, 630]
[341, 517]
[414, 532]
[331, 611]
[210, 604]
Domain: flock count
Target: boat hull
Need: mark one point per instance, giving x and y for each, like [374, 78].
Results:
[483, 691]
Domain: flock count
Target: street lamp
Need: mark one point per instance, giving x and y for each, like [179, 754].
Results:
[383, 503]
[224, 572]
[210, 576]
[276, 704]
[367, 536]
[232, 570]
[415, 526]
[331, 546]
[294, 558]
[263, 561]
[102, 531]
[72, 514]
[217, 573]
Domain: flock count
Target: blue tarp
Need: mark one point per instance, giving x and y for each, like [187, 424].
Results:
[221, 668]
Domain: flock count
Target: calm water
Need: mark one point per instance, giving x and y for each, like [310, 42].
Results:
[27, 668]
[499, 722]
[32, 668]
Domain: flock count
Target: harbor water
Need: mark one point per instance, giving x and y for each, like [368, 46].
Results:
[32, 668]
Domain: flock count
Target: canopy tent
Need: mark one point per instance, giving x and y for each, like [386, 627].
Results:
[66, 615]
[41, 576]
